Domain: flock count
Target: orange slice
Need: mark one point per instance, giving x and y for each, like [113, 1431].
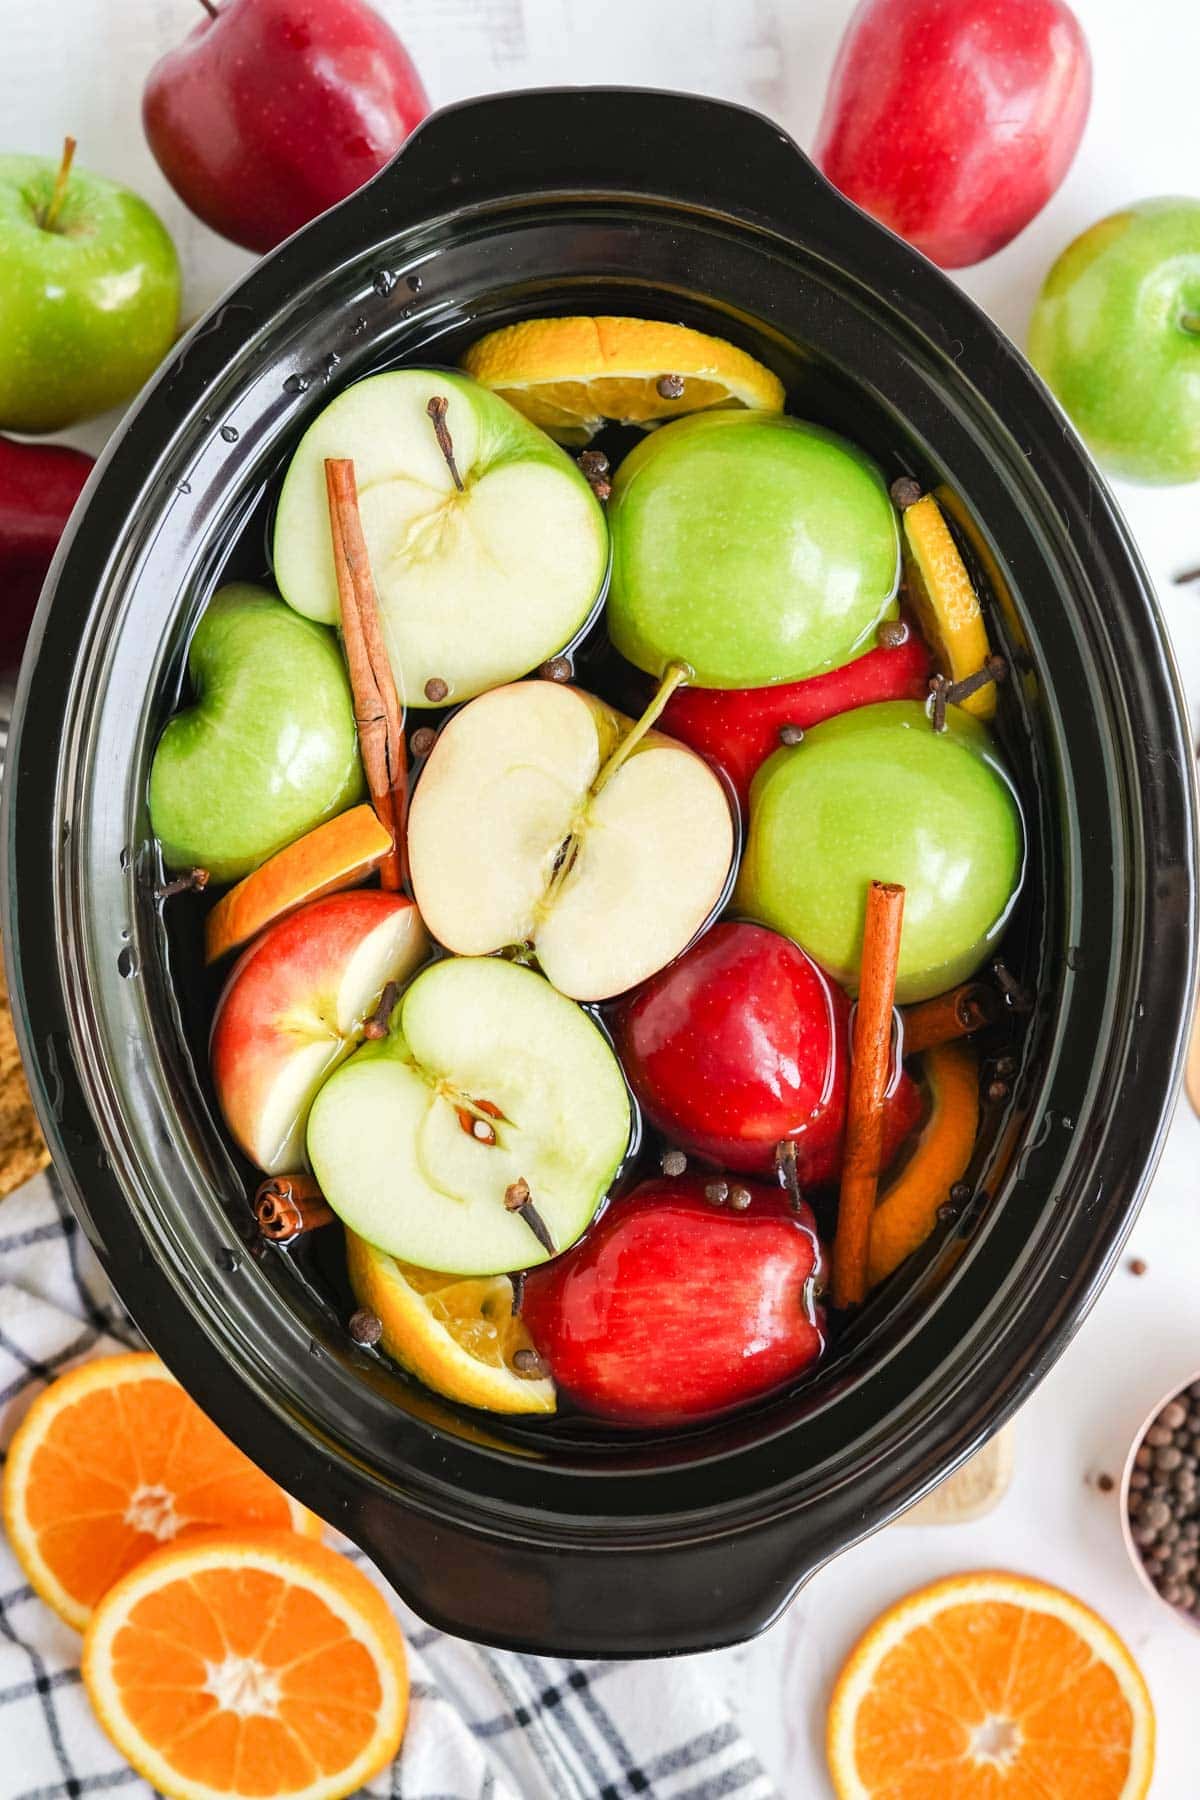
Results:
[333, 856]
[572, 375]
[946, 603]
[907, 1208]
[250, 1663]
[990, 1687]
[112, 1461]
[456, 1333]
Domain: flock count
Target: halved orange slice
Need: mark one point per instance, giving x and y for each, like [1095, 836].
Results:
[248, 1664]
[990, 1687]
[112, 1461]
[456, 1333]
[572, 375]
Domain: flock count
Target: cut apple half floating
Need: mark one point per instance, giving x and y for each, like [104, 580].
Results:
[487, 547]
[543, 817]
[296, 1005]
[483, 1132]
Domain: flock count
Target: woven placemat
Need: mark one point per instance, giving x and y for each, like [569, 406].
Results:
[22, 1148]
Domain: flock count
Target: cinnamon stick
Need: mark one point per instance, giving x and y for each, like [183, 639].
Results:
[377, 711]
[871, 1056]
[286, 1206]
[954, 1015]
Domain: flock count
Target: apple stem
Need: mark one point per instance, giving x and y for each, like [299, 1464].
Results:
[437, 409]
[676, 675]
[210, 9]
[50, 216]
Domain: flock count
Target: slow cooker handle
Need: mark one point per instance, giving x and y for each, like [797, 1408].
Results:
[675, 147]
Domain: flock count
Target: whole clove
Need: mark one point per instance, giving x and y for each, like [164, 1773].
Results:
[437, 410]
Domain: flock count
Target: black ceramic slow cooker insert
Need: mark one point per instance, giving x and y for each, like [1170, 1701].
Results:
[552, 1536]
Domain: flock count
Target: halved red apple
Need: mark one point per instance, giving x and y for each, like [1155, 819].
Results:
[295, 1007]
[334, 856]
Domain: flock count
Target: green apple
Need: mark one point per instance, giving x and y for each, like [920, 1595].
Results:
[753, 547]
[541, 817]
[89, 302]
[474, 1042]
[478, 583]
[268, 750]
[1116, 334]
[878, 795]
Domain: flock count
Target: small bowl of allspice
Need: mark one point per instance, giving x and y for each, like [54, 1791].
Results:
[1160, 1501]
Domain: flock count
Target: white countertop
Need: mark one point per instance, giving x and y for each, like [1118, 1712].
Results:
[77, 66]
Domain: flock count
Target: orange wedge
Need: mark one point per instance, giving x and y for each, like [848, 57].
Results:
[248, 1664]
[456, 1333]
[333, 856]
[111, 1462]
[990, 1687]
[907, 1208]
[571, 376]
[945, 600]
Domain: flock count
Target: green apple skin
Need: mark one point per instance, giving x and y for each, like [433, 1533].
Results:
[476, 586]
[269, 749]
[89, 308]
[878, 795]
[1116, 335]
[754, 547]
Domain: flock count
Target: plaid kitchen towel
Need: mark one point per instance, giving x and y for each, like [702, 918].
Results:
[485, 1725]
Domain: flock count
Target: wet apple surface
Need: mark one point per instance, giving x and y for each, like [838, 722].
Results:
[589, 1024]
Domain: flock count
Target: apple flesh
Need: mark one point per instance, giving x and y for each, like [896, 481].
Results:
[271, 111]
[754, 547]
[515, 837]
[878, 795]
[738, 728]
[268, 750]
[954, 121]
[674, 1309]
[295, 1007]
[742, 1044]
[1116, 334]
[488, 1084]
[39, 485]
[476, 585]
[89, 304]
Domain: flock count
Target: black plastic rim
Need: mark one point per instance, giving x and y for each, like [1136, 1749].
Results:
[485, 1529]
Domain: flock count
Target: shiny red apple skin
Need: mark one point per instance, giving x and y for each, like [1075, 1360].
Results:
[39, 485]
[744, 1041]
[954, 121]
[293, 1008]
[275, 110]
[738, 728]
[673, 1309]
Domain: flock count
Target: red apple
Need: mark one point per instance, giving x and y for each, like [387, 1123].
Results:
[295, 1007]
[954, 121]
[742, 1042]
[271, 111]
[738, 728]
[39, 484]
[674, 1308]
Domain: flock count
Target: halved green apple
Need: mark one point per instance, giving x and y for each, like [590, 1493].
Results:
[527, 827]
[491, 1094]
[477, 583]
